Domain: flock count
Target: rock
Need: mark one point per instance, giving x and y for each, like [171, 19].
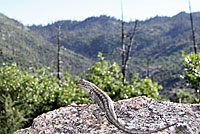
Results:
[139, 113]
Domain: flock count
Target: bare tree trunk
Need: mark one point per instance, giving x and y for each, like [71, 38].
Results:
[123, 47]
[192, 26]
[131, 38]
[58, 55]
[123, 53]
[126, 54]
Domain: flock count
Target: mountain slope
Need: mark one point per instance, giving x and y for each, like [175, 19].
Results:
[159, 40]
[18, 43]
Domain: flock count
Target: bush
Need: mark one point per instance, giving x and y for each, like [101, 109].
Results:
[109, 78]
[26, 94]
[192, 73]
[12, 117]
[185, 96]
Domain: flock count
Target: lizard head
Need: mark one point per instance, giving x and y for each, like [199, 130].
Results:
[86, 85]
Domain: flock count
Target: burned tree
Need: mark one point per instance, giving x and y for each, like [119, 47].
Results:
[126, 48]
[58, 54]
[192, 27]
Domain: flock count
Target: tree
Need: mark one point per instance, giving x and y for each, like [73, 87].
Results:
[58, 55]
[125, 52]
[192, 27]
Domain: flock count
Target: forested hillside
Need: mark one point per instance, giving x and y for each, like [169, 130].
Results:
[159, 42]
[19, 44]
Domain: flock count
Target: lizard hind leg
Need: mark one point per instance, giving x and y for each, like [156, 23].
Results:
[99, 114]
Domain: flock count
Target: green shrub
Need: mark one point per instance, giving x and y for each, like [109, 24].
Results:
[185, 96]
[35, 92]
[12, 116]
[192, 73]
[109, 78]
[25, 94]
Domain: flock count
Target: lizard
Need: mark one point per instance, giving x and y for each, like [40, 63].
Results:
[105, 103]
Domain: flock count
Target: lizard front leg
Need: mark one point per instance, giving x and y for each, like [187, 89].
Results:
[86, 106]
[89, 101]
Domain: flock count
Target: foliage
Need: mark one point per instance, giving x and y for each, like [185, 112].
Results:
[12, 116]
[186, 96]
[69, 92]
[109, 78]
[192, 72]
[26, 94]
[146, 87]
[161, 38]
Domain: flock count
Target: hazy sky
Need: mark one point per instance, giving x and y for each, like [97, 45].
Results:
[47, 11]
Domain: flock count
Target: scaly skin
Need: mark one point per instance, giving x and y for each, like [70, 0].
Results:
[106, 104]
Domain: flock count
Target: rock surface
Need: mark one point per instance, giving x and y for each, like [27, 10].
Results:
[140, 113]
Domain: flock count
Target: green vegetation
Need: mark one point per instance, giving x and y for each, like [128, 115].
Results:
[27, 94]
[159, 39]
[11, 115]
[19, 44]
[192, 66]
[192, 75]
[109, 78]
[32, 88]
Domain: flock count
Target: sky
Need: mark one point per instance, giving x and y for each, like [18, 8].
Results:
[43, 12]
